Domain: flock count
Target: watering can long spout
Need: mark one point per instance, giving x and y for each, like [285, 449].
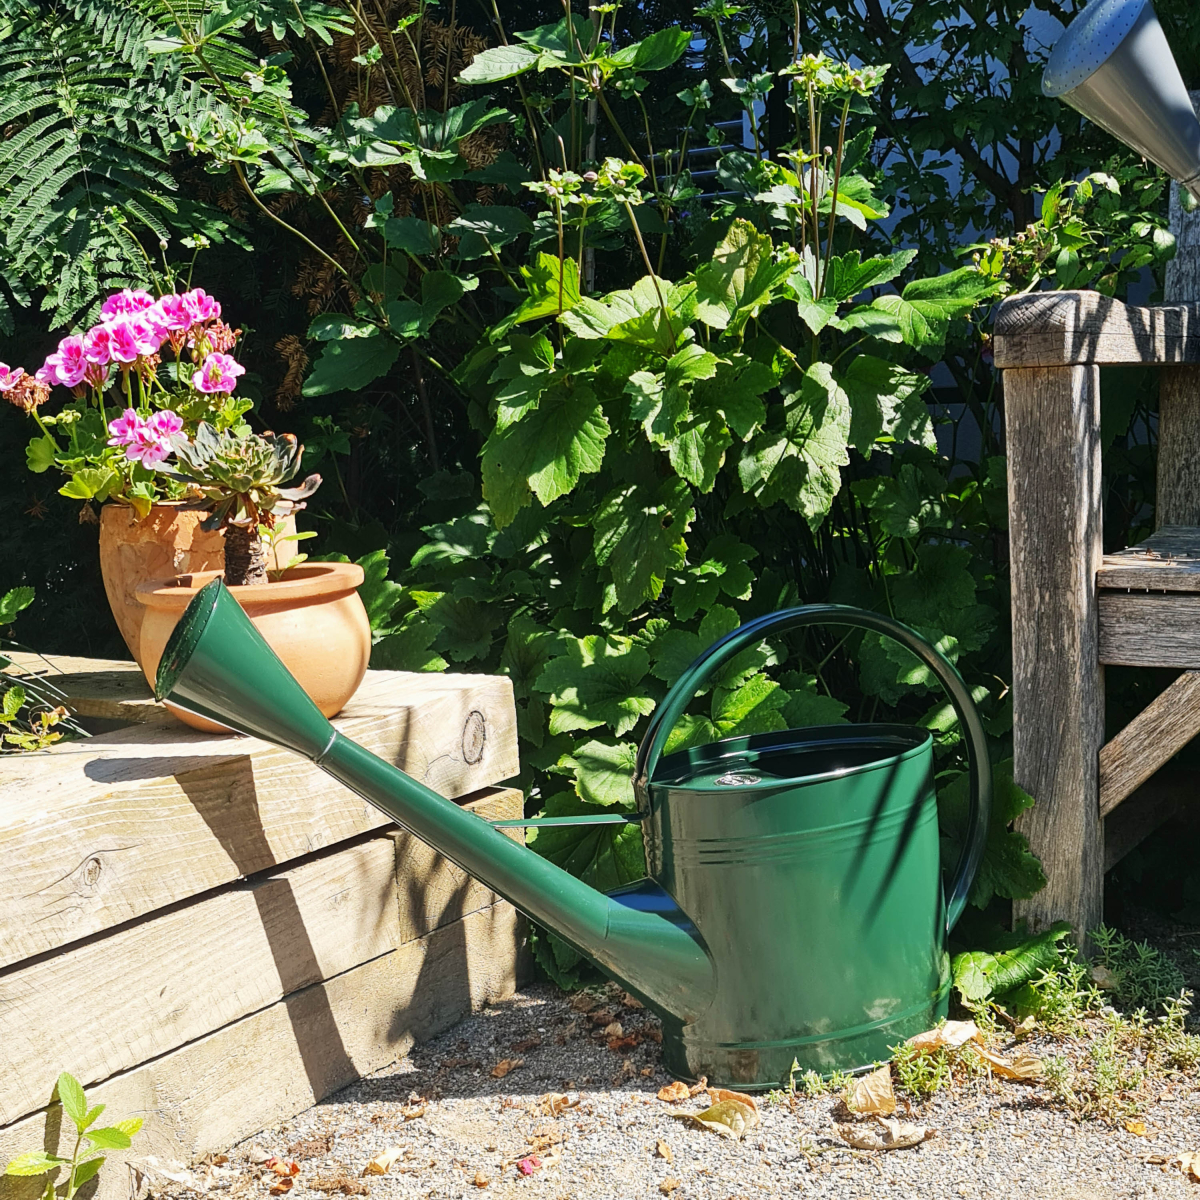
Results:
[218, 666]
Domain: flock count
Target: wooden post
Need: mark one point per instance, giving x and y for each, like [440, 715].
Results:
[1053, 423]
[1178, 486]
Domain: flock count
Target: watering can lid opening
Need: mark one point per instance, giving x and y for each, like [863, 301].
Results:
[790, 756]
[1088, 43]
[184, 638]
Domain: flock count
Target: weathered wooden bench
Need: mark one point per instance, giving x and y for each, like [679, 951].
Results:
[1077, 610]
[212, 935]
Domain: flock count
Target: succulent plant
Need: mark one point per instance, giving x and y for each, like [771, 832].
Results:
[240, 478]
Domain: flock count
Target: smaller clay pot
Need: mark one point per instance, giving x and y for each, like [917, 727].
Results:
[313, 618]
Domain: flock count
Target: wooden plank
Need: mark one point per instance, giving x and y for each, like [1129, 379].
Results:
[105, 689]
[1167, 561]
[101, 831]
[260, 1070]
[1155, 735]
[1178, 463]
[119, 1000]
[1053, 423]
[1048, 329]
[1150, 629]
[1151, 806]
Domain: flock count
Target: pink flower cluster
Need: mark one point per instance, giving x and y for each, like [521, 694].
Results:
[133, 327]
[147, 440]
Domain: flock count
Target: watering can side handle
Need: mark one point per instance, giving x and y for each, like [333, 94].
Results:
[680, 696]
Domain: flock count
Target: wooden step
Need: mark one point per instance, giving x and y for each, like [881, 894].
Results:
[1167, 561]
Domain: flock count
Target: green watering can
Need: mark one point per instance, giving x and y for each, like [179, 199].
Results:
[793, 909]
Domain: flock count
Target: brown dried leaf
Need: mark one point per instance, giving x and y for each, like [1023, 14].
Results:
[554, 1103]
[583, 1002]
[716, 1095]
[1138, 1128]
[872, 1095]
[664, 1151]
[730, 1118]
[1188, 1161]
[894, 1135]
[631, 1001]
[624, 1043]
[505, 1065]
[527, 1044]
[654, 1033]
[480, 1180]
[669, 1185]
[313, 1147]
[951, 1035]
[1023, 1067]
[381, 1164]
[280, 1186]
[700, 1086]
[602, 1017]
[410, 1112]
[674, 1092]
[613, 1029]
[340, 1183]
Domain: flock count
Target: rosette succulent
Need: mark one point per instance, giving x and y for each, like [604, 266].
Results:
[240, 476]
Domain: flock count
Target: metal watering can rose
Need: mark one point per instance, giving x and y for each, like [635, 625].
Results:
[793, 907]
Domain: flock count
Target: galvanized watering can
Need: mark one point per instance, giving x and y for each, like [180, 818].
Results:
[794, 907]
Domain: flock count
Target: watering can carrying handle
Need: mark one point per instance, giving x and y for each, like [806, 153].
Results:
[680, 696]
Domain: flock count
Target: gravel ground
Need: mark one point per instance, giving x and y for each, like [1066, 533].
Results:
[458, 1130]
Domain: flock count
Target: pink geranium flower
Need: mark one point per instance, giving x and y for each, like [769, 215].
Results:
[97, 345]
[169, 314]
[131, 337]
[146, 441]
[200, 306]
[124, 429]
[218, 374]
[10, 377]
[165, 424]
[67, 365]
[124, 303]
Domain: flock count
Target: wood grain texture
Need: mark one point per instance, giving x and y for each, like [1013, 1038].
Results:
[1153, 804]
[100, 688]
[1178, 471]
[1150, 629]
[1047, 329]
[101, 831]
[1053, 423]
[119, 1000]
[1153, 737]
[1167, 561]
[216, 1091]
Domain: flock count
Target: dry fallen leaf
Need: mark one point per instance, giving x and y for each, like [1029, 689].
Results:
[623, 1043]
[730, 1118]
[313, 1147]
[668, 1185]
[1103, 978]
[505, 1065]
[673, 1092]
[554, 1103]
[631, 1001]
[340, 1182]
[1136, 1127]
[700, 1086]
[527, 1044]
[381, 1164]
[872, 1094]
[895, 1135]
[1189, 1163]
[716, 1095]
[280, 1186]
[1023, 1066]
[527, 1166]
[951, 1035]
[480, 1180]
[410, 1112]
[664, 1151]
[613, 1029]
[282, 1167]
[584, 1002]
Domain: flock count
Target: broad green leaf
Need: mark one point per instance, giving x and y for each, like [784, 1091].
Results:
[553, 288]
[1009, 869]
[636, 315]
[93, 1115]
[409, 647]
[527, 649]
[595, 681]
[411, 235]
[35, 1162]
[350, 364]
[92, 483]
[604, 772]
[904, 505]
[604, 856]
[849, 274]
[981, 975]
[468, 627]
[736, 393]
[546, 453]
[697, 451]
[800, 463]
[379, 594]
[13, 602]
[461, 540]
[72, 1099]
[807, 706]
[39, 454]
[88, 1169]
[14, 700]
[743, 277]
[655, 52]
[816, 314]
[927, 306]
[109, 1138]
[723, 568]
[872, 322]
[497, 63]
[639, 537]
[439, 290]
[480, 226]
[330, 327]
[886, 401]
[676, 649]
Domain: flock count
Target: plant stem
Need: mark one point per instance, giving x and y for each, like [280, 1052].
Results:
[837, 179]
[245, 558]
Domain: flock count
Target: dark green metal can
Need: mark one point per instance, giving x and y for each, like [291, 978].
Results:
[809, 862]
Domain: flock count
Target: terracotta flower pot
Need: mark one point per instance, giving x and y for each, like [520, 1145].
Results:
[167, 542]
[313, 618]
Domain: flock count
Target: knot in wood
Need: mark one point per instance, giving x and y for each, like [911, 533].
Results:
[474, 736]
[89, 872]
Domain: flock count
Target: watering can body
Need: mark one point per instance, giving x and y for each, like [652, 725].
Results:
[793, 907]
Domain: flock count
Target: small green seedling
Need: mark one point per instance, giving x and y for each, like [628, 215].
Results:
[273, 538]
[87, 1157]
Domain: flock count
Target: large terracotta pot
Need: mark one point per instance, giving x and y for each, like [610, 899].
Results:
[313, 618]
[167, 542]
